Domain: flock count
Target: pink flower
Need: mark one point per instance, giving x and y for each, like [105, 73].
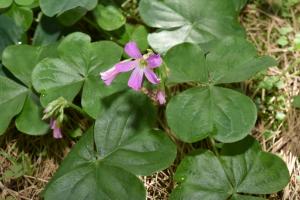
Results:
[109, 75]
[56, 129]
[140, 64]
[161, 97]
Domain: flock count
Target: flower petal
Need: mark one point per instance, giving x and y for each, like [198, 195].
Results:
[151, 76]
[161, 97]
[56, 130]
[154, 60]
[57, 133]
[126, 66]
[132, 50]
[136, 79]
[109, 75]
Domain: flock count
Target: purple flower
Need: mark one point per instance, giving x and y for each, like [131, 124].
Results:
[56, 129]
[140, 64]
[161, 97]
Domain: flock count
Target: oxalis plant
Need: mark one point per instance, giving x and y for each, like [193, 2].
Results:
[146, 78]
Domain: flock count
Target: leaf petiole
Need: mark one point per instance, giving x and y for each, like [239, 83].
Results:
[213, 145]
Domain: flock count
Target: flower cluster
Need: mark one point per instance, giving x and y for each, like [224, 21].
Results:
[55, 111]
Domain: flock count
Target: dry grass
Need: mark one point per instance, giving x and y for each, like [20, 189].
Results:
[262, 28]
[44, 155]
[159, 185]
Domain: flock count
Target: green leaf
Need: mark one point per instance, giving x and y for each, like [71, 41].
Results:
[54, 77]
[93, 87]
[124, 138]
[244, 197]
[79, 66]
[2, 73]
[251, 170]
[270, 82]
[22, 59]
[105, 55]
[222, 113]
[9, 31]
[239, 4]
[129, 113]
[94, 91]
[24, 2]
[124, 145]
[144, 154]
[296, 101]
[187, 64]
[241, 169]
[22, 16]
[228, 60]
[297, 42]
[12, 97]
[77, 59]
[196, 21]
[235, 60]
[35, 4]
[70, 17]
[5, 3]
[137, 33]
[48, 31]
[109, 17]
[201, 177]
[20, 165]
[282, 41]
[96, 181]
[57, 7]
[285, 30]
[81, 176]
[30, 119]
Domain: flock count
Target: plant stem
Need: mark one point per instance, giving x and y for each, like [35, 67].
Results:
[213, 145]
[78, 109]
[93, 24]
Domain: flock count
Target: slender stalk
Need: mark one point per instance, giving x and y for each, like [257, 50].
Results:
[78, 109]
[213, 145]
[93, 24]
